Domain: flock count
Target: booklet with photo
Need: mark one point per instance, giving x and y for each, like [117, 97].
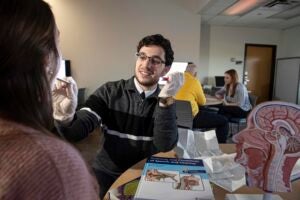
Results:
[125, 191]
[172, 178]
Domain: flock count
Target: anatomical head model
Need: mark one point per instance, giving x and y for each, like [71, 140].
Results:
[270, 145]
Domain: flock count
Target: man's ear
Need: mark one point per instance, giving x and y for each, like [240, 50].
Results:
[165, 70]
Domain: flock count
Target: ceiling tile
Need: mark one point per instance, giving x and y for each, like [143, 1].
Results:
[291, 23]
[214, 10]
[222, 20]
[262, 17]
[225, 4]
[288, 14]
[206, 17]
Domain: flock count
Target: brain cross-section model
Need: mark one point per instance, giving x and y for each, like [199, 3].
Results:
[270, 145]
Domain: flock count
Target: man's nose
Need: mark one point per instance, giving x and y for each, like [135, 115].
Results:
[148, 62]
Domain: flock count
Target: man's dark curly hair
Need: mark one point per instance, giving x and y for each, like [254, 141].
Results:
[159, 40]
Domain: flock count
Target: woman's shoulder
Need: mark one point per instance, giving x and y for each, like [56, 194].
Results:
[59, 155]
[37, 160]
[31, 140]
[240, 86]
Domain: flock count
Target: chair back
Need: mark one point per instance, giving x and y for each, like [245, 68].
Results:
[253, 100]
[184, 114]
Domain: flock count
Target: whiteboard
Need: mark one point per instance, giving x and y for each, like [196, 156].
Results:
[286, 80]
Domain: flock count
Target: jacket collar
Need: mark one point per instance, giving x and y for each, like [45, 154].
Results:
[130, 86]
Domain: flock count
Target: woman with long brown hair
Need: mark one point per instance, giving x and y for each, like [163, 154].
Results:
[235, 96]
[34, 164]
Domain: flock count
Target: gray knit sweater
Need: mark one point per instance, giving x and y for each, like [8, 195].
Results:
[34, 165]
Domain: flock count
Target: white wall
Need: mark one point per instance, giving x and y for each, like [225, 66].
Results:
[229, 42]
[290, 43]
[100, 36]
[204, 54]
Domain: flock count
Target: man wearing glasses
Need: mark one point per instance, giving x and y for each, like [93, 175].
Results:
[139, 119]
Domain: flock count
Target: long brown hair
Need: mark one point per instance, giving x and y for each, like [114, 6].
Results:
[27, 44]
[235, 79]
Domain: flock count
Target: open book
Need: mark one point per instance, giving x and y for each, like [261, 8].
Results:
[171, 178]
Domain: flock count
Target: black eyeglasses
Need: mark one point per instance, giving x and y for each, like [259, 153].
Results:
[155, 60]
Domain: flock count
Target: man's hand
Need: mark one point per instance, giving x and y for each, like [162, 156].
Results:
[174, 83]
[64, 97]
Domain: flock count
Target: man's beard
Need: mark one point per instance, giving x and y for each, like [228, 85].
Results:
[147, 83]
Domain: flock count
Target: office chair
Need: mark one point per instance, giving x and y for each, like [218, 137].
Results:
[184, 114]
[242, 121]
[185, 124]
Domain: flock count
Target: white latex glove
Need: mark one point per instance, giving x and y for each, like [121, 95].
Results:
[64, 97]
[174, 83]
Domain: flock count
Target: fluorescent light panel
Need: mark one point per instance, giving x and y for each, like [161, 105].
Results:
[243, 6]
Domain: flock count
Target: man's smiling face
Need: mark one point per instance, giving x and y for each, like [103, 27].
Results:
[148, 70]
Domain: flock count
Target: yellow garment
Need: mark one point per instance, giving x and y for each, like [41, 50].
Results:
[191, 91]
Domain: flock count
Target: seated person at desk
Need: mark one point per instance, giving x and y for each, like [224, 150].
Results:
[34, 164]
[192, 91]
[235, 97]
[139, 119]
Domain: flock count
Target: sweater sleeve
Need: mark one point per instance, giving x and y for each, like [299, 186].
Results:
[165, 134]
[240, 95]
[84, 122]
[243, 97]
[221, 92]
[86, 119]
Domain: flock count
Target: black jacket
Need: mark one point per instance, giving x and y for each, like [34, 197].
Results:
[133, 128]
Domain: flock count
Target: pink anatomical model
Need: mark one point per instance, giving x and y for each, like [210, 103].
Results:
[270, 145]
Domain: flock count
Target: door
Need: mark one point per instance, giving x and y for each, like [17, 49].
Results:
[259, 70]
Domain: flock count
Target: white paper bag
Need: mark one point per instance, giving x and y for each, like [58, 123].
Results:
[206, 143]
[186, 144]
[222, 169]
[225, 172]
[194, 144]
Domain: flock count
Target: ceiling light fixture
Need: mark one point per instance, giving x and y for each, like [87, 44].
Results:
[243, 6]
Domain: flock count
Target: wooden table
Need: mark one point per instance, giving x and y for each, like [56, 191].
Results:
[211, 100]
[219, 193]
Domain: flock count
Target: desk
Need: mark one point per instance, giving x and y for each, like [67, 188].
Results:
[219, 193]
[211, 100]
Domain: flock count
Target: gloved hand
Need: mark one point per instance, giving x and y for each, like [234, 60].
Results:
[174, 83]
[64, 97]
